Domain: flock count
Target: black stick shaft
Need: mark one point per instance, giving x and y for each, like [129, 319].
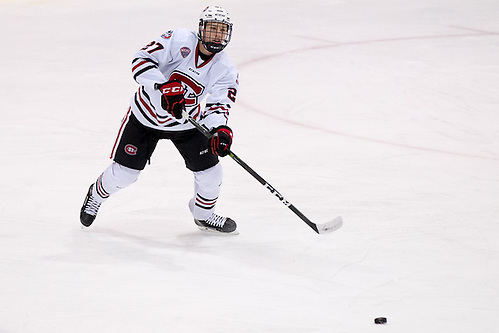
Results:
[257, 177]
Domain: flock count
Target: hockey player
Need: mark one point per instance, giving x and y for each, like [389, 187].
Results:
[176, 72]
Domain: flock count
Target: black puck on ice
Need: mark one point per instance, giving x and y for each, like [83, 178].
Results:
[380, 320]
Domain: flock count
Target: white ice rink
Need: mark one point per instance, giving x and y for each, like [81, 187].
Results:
[385, 112]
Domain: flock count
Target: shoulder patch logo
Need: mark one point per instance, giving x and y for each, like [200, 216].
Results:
[167, 34]
[185, 51]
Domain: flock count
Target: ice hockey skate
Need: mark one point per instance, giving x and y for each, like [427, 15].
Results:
[89, 210]
[217, 223]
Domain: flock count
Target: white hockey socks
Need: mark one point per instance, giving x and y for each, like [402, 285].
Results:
[113, 179]
[207, 185]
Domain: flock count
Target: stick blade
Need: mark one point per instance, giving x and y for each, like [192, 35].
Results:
[330, 226]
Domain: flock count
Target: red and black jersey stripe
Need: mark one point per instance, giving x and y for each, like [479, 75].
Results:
[141, 65]
[146, 108]
[219, 109]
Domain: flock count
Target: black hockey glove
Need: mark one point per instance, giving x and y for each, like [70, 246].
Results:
[221, 140]
[173, 97]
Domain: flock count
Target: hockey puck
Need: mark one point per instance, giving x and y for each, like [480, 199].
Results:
[380, 320]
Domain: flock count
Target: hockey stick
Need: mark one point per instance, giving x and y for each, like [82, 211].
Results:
[327, 227]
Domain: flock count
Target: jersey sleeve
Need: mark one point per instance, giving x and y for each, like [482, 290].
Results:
[146, 62]
[220, 100]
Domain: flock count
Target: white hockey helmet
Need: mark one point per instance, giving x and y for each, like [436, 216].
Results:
[218, 15]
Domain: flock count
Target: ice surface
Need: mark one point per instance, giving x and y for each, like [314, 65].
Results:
[384, 112]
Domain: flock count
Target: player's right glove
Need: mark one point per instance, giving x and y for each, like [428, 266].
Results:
[172, 99]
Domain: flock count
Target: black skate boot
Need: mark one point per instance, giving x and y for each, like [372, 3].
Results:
[89, 209]
[217, 223]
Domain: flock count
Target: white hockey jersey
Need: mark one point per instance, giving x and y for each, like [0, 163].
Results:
[175, 55]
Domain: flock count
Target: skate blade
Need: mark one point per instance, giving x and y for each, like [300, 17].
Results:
[212, 231]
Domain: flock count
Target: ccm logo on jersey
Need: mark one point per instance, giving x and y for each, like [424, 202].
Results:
[131, 150]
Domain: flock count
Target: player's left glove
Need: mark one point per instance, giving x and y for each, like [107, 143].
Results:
[173, 97]
[221, 140]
